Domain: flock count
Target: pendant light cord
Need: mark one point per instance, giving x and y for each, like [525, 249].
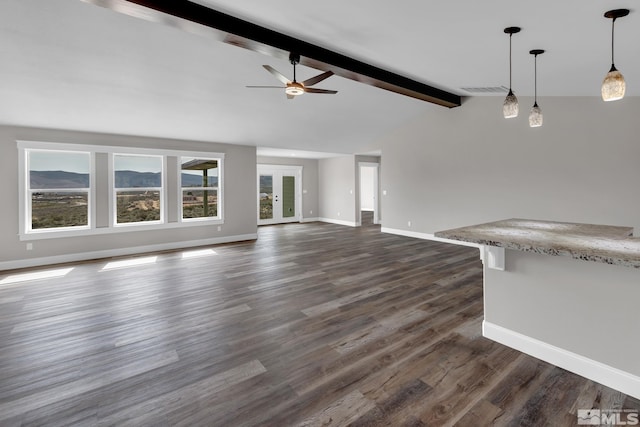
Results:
[613, 24]
[510, 36]
[535, 79]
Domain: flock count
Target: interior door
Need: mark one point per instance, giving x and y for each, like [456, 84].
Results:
[279, 194]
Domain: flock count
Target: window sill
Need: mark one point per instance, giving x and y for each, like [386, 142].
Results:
[121, 228]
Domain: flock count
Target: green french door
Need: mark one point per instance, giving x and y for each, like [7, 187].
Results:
[279, 194]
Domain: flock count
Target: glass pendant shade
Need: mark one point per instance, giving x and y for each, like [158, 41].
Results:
[613, 86]
[510, 106]
[535, 116]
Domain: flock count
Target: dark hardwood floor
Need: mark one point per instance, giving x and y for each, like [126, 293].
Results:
[312, 325]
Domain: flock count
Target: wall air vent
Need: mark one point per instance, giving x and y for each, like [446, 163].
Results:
[486, 90]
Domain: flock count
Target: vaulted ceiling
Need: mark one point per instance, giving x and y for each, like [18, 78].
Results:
[72, 65]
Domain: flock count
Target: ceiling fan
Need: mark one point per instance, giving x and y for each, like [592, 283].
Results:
[294, 88]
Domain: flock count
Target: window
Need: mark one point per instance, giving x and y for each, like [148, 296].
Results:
[137, 188]
[73, 189]
[199, 187]
[58, 190]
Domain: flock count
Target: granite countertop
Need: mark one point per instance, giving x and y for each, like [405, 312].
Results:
[589, 242]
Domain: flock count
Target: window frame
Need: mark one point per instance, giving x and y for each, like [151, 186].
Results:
[25, 210]
[105, 180]
[219, 219]
[113, 190]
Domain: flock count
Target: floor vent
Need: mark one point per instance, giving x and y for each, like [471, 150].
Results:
[494, 89]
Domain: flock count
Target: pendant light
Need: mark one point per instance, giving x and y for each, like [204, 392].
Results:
[510, 106]
[535, 116]
[613, 85]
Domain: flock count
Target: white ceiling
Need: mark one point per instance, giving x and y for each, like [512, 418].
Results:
[72, 65]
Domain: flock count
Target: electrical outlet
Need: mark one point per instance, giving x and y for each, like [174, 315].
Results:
[409, 223]
[304, 191]
[338, 213]
[384, 192]
[29, 246]
[310, 212]
[219, 228]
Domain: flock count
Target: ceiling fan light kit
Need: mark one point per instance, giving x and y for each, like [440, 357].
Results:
[294, 89]
[510, 105]
[613, 86]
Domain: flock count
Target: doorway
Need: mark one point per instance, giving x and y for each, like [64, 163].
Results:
[369, 207]
[279, 194]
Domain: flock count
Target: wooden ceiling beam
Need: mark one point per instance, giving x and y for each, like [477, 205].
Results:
[196, 18]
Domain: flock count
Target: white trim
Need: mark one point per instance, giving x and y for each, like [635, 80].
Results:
[278, 171]
[120, 228]
[604, 374]
[314, 219]
[23, 173]
[164, 208]
[25, 233]
[376, 191]
[25, 209]
[92, 216]
[269, 167]
[114, 149]
[339, 222]
[491, 256]
[221, 184]
[427, 236]
[113, 190]
[83, 256]
[218, 188]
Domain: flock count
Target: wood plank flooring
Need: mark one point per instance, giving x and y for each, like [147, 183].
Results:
[312, 325]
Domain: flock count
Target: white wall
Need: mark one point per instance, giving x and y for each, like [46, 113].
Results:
[468, 165]
[239, 200]
[568, 312]
[567, 303]
[337, 189]
[367, 188]
[309, 181]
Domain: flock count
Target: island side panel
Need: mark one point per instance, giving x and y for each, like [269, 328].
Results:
[587, 308]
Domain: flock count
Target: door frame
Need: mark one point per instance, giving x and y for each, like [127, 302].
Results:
[296, 170]
[376, 186]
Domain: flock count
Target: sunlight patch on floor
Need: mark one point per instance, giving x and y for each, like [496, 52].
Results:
[37, 275]
[126, 263]
[198, 253]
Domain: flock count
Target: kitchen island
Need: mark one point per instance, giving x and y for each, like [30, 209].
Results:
[566, 293]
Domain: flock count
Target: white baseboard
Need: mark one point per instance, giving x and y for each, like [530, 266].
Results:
[315, 219]
[604, 374]
[339, 222]
[428, 236]
[59, 259]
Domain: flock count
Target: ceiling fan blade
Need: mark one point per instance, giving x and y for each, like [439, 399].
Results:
[277, 73]
[317, 79]
[312, 90]
[267, 87]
